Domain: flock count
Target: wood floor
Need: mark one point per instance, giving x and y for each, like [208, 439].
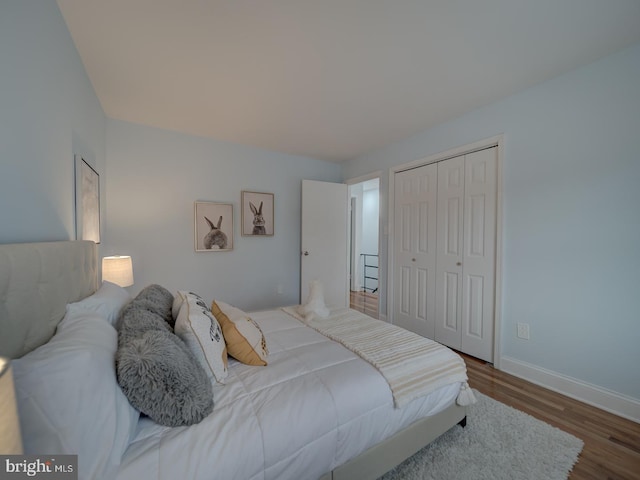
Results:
[612, 443]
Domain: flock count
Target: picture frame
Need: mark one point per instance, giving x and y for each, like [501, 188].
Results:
[87, 199]
[213, 226]
[258, 219]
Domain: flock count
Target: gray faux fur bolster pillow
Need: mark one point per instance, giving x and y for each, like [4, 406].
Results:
[157, 299]
[162, 379]
[136, 319]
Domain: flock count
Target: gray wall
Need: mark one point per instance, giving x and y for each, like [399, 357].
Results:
[571, 235]
[48, 113]
[154, 178]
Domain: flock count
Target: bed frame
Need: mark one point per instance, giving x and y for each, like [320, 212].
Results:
[379, 459]
[37, 280]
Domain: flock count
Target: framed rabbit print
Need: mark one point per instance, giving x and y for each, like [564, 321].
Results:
[257, 214]
[213, 226]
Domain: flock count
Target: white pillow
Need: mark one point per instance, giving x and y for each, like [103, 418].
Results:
[178, 300]
[315, 303]
[68, 398]
[107, 301]
[200, 330]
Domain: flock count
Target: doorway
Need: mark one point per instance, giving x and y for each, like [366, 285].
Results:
[364, 267]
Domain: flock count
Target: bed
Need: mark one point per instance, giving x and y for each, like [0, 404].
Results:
[317, 410]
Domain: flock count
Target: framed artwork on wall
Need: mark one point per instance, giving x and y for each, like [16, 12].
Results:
[257, 214]
[213, 223]
[87, 194]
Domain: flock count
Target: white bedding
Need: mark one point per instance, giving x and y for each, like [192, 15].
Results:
[315, 406]
[401, 362]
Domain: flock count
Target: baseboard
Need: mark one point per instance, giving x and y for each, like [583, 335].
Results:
[382, 317]
[612, 402]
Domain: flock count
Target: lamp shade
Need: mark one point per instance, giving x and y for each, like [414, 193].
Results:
[10, 438]
[118, 269]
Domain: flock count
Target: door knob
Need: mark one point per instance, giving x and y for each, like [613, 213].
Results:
[413, 259]
[458, 263]
[305, 253]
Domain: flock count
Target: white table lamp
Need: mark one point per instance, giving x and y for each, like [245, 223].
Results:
[118, 269]
[10, 438]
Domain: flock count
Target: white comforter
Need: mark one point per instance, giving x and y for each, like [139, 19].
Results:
[314, 407]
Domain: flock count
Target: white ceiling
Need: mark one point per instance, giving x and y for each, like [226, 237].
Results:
[330, 79]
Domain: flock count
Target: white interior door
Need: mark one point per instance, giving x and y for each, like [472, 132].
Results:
[415, 249]
[449, 257]
[324, 240]
[465, 285]
[478, 271]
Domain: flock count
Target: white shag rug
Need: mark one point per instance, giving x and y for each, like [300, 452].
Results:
[498, 443]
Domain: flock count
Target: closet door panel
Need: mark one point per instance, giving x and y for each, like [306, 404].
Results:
[415, 249]
[450, 302]
[478, 295]
[474, 290]
[449, 242]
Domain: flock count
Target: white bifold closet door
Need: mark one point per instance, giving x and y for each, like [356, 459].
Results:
[445, 239]
[415, 249]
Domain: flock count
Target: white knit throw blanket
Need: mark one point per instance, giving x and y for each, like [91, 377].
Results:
[413, 366]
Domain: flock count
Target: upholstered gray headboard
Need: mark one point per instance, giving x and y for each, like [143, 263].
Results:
[37, 280]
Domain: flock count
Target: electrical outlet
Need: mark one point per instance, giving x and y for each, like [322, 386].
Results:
[523, 331]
